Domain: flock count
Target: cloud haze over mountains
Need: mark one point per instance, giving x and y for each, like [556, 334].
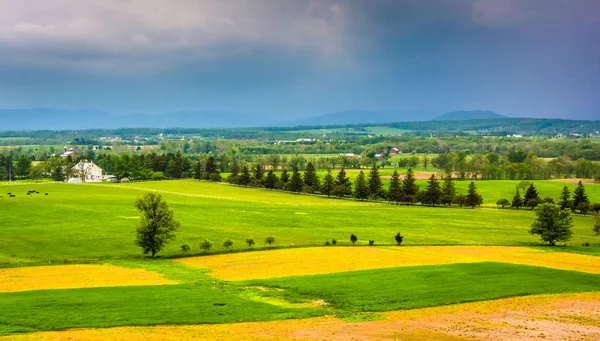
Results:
[302, 58]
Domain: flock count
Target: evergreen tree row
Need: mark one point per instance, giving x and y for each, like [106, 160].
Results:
[365, 186]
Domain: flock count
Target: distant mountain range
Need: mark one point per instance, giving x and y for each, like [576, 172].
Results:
[468, 115]
[55, 119]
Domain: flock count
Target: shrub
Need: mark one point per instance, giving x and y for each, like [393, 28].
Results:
[533, 203]
[398, 238]
[269, 240]
[185, 248]
[327, 243]
[216, 177]
[250, 242]
[371, 242]
[585, 244]
[548, 200]
[227, 243]
[503, 202]
[597, 224]
[333, 241]
[206, 245]
[595, 208]
[353, 238]
[583, 207]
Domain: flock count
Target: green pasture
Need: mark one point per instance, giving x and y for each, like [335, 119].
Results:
[91, 222]
[199, 299]
[427, 286]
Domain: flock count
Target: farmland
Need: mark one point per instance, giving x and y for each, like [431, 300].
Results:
[68, 262]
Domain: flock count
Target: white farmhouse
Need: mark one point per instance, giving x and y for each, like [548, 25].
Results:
[87, 171]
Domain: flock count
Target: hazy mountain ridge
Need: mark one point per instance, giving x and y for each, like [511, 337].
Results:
[464, 115]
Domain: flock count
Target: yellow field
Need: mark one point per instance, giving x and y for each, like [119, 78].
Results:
[323, 260]
[549, 317]
[75, 276]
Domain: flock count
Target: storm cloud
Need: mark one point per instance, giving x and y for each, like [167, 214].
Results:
[302, 57]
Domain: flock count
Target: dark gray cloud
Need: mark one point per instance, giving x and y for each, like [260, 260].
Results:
[302, 57]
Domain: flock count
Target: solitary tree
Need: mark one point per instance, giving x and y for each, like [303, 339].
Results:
[432, 192]
[250, 242]
[395, 190]
[374, 183]
[552, 224]
[269, 240]
[409, 183]
[473, 198]
[353, 238]
[565, 198]
[157, 225]
[579, 195]
[227, 243]
[328, 183]
[206, 245]
[361, 191]
[517, 202]
[271, 180]
[398, 238]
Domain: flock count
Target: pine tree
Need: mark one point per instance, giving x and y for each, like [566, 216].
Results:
[361, 190]
[532, 197]
[311, 180]
[245, 178]
[517, 202]
[328, 183]
[285, 177]
[473, 198]
[259, 174]
[58, 174]
[211, 167]
[342, 185]
[375, 184]
[565, 198]
[234, 173]
[341, 178]
[432, 192]
[296, 183]
[408, 183]
[395, 190]
[579, 196]
[448, 190]
[198, 170]
[271, 180]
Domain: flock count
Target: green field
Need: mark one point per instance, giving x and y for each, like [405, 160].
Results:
[95, 223]
[83, 222]
[427, 286]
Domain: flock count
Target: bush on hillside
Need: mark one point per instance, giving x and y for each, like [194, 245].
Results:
[206, 245]
[269, 240]
[227, 243]
[398, 238]
[353, 238]
[250, 242]
[185, 248]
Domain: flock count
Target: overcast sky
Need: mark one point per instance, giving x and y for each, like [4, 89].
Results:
[538, 58]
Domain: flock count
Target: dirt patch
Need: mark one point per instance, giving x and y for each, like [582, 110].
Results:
[75, 276]
[418, 175]
[551, 317]
[324, 260]
[576, 180]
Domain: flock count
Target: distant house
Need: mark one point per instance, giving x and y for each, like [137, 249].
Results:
[379, 156]
[575, 136]
[351, 156]
[394, 151]
[87, 172]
